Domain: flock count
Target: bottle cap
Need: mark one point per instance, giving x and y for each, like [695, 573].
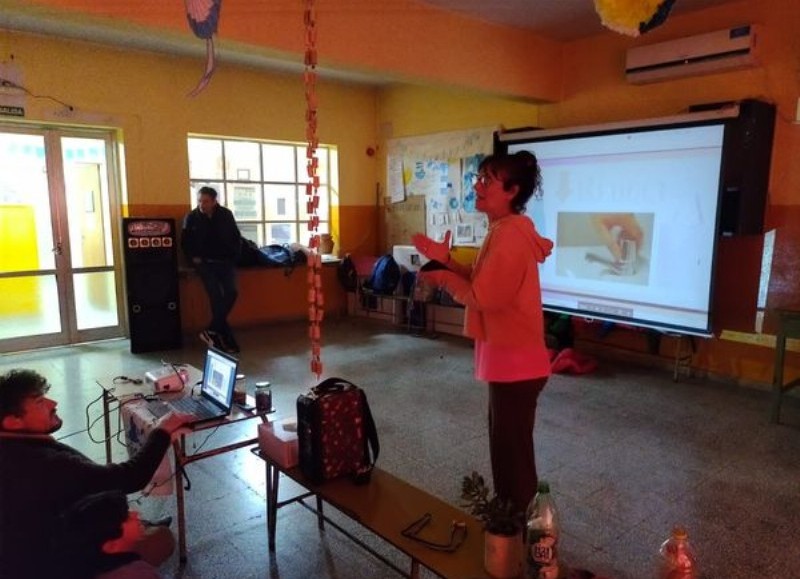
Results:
[543, 487]
[679, 532]
[263, 384]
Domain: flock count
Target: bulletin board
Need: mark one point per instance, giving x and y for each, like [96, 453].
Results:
[439, 169]
[404, 220]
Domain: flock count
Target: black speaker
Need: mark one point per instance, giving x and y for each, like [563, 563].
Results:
[151, 281]
[746, 155]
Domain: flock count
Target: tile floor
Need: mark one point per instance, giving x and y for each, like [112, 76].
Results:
[628, 453]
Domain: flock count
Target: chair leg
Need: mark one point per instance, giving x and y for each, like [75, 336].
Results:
[777, 378]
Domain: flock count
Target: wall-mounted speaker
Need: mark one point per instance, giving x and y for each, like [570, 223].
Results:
[151, 281]
[747, 151]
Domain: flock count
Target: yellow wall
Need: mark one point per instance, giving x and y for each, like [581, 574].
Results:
[144, 95]
[584, 80]
[18, 252]
[412, 110]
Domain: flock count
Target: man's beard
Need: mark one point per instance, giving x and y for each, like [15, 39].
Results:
[57, 423]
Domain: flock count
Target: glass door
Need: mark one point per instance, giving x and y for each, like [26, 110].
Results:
[58, 284]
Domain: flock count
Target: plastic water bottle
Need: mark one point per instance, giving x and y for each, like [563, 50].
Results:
[677, 559]
[541, 535]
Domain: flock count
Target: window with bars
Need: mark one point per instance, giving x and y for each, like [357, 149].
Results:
[264, 184]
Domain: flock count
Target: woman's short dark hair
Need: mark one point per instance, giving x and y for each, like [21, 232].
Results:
[96, 518]
[520, 169]
[16, 386]
[210, 191]
[84, 528]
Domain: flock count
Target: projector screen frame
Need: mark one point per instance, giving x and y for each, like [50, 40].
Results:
[722, 117]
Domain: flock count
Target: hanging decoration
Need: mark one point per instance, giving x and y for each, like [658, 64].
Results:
[633, 17]
[203, 17]
[315, 298]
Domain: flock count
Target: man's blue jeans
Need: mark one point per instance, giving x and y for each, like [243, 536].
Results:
[219, 279]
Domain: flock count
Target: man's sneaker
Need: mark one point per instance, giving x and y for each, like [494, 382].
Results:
[162, 522]
[211, 338]
[229, 344]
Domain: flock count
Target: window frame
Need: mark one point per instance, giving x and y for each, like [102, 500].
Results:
[219, 180]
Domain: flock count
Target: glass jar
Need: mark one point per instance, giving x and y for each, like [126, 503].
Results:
[240, 389]
[263, 397]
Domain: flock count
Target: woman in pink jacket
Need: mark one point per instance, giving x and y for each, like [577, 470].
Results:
[504, 315]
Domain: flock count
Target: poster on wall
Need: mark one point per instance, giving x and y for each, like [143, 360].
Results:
[395, 180]
[12, 97]
[441, 168]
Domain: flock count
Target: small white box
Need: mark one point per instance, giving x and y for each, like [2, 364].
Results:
[408, 257]
[278, 440]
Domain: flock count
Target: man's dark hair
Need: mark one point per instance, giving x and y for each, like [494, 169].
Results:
[16, 386]
[210, 191]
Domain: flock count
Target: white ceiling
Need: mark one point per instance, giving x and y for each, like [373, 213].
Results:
[556, 19]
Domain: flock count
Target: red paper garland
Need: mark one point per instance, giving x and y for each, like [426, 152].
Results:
[316, 300]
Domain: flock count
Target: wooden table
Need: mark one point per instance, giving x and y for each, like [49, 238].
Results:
[130, 393]
[788, 327]
[385, 506]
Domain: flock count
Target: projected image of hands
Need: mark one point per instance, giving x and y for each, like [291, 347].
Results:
[605, 246]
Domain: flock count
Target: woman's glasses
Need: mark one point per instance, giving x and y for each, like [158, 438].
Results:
[481, 178]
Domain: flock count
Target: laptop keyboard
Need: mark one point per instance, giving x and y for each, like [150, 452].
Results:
[190, 406]
[157, 408]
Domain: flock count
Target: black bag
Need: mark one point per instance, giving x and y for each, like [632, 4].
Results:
[347, 274]
[336, 432]
[249, 254]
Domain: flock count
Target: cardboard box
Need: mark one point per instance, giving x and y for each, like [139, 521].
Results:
[278, 440]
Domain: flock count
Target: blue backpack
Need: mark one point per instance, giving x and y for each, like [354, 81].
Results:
[385, 276]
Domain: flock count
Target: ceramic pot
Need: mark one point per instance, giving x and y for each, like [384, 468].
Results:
[502, 555]
[326, 243]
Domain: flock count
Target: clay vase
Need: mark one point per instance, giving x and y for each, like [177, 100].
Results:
[326, 244]
[502, 555]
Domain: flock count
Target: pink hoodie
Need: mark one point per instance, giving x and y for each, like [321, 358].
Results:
[503, 297]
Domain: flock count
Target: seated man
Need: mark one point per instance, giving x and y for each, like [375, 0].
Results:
[40, 477]
[98, 537]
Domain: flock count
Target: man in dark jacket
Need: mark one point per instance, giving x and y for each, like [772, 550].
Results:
[211, 242]
[40, 477]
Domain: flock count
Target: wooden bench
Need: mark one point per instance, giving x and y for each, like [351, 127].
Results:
[385, 506]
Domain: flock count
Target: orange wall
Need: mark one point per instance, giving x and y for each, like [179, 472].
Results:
[265, 295]
[400, 39]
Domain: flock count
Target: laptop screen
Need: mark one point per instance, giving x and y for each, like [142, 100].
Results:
[219, 376]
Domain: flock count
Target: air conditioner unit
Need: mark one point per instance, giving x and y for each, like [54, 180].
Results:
[709, 53]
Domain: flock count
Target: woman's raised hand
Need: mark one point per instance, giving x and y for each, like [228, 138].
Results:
[437, 250]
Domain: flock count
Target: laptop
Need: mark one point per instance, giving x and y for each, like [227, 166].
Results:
[216, 391]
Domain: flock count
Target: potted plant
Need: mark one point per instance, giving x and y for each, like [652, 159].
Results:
[502, 524]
